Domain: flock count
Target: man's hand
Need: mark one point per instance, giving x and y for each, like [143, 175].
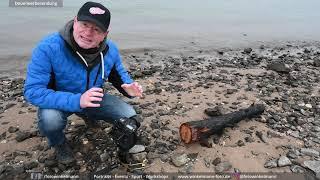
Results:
[93, 94]
[133, 89]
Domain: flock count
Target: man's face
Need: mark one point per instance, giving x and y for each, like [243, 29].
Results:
[87, 35]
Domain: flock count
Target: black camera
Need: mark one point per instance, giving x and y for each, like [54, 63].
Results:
[124, 132]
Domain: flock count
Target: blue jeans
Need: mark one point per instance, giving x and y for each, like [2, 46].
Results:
[52, 122]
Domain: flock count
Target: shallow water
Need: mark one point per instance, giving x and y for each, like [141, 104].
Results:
[170, 24]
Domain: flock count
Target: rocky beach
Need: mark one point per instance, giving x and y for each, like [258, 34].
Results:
[181, 87]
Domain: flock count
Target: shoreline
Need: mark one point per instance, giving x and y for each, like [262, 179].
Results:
[15, 64]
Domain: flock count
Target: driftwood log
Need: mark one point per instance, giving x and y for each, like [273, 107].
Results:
[201, 130]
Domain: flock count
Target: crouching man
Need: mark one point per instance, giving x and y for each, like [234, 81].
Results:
[66, 74]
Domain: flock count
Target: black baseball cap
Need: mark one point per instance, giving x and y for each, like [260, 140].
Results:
[95, 13]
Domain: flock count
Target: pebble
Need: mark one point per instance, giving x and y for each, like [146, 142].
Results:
[240, 143]
[309, 152]
[297, 169]
[104, 157]
[179, 159]
[139, 157]
[223, 167]
[13, 129]
[216, 161]
[137, 149]
[284, 161]
[271, 164]
[279, 67]
[216, 111]
[261, 136]
[30, 165]
[164, 158]
[22, 135]
[249, 139]
[207, 162]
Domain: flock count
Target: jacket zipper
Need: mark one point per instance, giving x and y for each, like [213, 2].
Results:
[88, 80]
[88, 77]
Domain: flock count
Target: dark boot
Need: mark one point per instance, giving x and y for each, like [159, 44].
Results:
[64, 153]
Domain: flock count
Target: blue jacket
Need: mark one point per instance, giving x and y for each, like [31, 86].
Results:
[56, 78]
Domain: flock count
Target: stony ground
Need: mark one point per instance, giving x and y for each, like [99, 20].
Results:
[180, 88]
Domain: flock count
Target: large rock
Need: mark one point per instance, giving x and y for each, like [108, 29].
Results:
[284, 161]
[279, 67]
[314, 166]
[309, 152]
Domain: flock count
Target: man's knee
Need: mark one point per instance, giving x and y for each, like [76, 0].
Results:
[51, 120]
[129, 112]
[120, 107]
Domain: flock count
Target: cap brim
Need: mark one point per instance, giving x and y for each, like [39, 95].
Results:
[90, 19]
